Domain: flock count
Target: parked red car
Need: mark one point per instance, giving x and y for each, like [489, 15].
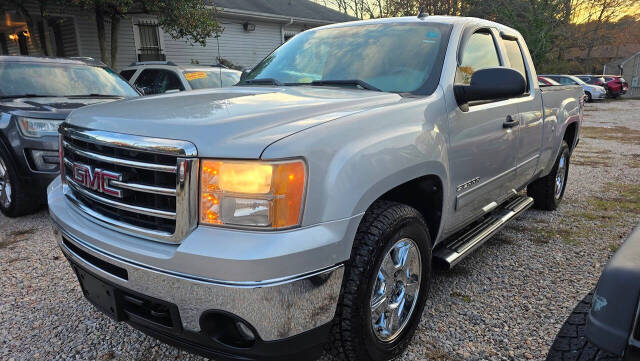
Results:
[544, 81]
[616, 85]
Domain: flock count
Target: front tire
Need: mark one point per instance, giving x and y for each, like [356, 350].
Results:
[571, 342]
[547, 192]
[589, 98]
[385, 285]
[15, 201]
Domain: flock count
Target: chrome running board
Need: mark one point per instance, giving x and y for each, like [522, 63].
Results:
[466, 241]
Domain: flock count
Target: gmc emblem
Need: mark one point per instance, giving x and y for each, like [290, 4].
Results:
[96, 179]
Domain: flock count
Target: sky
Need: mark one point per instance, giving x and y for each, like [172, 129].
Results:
[630, 10]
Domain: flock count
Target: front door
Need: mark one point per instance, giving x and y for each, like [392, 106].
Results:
[482, 151]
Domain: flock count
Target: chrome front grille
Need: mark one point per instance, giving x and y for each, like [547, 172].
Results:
[137, 185]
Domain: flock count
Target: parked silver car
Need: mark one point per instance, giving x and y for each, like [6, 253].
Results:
[591, 91]
[157, 77]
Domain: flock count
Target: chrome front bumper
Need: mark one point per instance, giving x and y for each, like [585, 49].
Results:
[276, 309]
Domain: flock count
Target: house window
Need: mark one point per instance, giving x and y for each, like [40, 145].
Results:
[288, 35]
[149, 41]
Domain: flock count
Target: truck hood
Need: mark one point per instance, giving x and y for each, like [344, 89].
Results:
[236, 122]
[48, 107]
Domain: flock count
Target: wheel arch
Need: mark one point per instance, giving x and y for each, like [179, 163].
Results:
[424, 193]
[571, 135]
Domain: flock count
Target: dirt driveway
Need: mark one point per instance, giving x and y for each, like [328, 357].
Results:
[505, 302]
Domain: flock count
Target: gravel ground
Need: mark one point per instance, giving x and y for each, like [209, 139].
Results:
[504, 302]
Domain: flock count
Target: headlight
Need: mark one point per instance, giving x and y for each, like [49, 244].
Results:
[267, 195]
[33, 127]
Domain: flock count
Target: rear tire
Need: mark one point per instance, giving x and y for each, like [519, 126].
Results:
[359, 331]
[546, 192]
[15, 200]
[571, 342]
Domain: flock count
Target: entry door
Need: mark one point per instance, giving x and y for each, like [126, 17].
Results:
[482, 151]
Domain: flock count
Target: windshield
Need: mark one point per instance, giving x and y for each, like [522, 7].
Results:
[60, 80]
[199, 79]
[393, 57]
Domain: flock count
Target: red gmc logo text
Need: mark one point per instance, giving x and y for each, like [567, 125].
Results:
[97, 179]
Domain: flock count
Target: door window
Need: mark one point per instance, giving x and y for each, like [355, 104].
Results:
[479, 53]
[565, 81]
[158, 81]
[127, 74]
[514, 54]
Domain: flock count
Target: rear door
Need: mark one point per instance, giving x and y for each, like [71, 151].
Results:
[482, 151]
[529, 132]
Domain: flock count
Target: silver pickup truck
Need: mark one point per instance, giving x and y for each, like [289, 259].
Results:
[305, 206]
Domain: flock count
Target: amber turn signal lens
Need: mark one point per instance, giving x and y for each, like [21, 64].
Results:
[252, 193]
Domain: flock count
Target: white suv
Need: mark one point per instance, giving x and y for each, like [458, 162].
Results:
[157, 77]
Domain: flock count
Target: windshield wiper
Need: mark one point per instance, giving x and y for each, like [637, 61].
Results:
[357, 82]
[263, 81]
[24, 96]
[92, 95]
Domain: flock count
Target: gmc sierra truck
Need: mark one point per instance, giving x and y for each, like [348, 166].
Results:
[305, 206]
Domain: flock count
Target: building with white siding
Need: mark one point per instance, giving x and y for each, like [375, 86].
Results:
[252, 29]
[629, 69]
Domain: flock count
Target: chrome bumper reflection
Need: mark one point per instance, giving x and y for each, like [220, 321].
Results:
[276, 309]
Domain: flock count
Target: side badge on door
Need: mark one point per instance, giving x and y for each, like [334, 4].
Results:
[468, 184]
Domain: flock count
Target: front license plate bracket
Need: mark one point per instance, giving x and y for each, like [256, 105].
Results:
[100, 294]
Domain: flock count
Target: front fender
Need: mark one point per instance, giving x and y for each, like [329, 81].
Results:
[615, 301]
[356, 159]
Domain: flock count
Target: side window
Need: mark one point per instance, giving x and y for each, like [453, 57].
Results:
[230, 79]
[479, 52]
[514, 53]
[158, 81]
[566, 81]
[127, 74]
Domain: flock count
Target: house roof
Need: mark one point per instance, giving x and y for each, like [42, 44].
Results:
[297, 9]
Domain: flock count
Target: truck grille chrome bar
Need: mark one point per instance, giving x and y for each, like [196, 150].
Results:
[148, 211]
[118, 161]
[137, 185]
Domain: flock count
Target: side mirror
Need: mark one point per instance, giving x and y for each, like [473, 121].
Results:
[491, 84]
[244, 74]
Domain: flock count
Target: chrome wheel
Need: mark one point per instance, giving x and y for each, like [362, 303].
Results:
[561, 175]
[395, 292]
[5, 185]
